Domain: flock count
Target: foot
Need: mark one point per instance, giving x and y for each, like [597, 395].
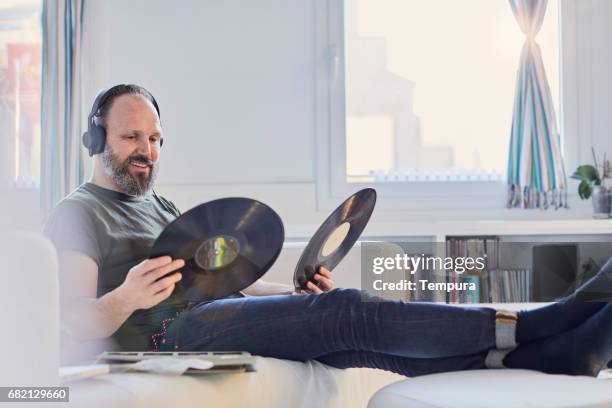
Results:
[596, 289]
[585, 350]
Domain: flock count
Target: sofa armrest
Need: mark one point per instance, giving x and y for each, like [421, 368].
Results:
[29, 310]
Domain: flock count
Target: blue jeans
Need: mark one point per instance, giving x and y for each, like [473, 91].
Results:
[342, 328]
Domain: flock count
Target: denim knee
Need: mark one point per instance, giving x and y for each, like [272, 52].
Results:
[346, 295]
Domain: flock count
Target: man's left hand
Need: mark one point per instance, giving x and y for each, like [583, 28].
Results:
[325, 282]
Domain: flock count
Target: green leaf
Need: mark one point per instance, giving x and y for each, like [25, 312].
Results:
[584, 189]
[587, 173]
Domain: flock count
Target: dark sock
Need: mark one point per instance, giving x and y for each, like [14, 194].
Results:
[596, 289]
[585, 350]
[567, 312]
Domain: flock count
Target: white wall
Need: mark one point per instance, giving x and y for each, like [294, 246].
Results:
[235, 81]
[601, 71]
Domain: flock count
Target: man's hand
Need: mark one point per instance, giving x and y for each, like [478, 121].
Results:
[143, 288]
[324, 277]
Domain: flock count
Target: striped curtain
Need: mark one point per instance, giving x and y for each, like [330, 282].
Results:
[61, 161]
[536, 174]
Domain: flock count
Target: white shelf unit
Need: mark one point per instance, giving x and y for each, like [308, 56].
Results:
[348, 272]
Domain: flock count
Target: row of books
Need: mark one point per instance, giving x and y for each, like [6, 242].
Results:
[493, 284]
[487, 248]
[497, 286]
[510, 285]
[490, 284]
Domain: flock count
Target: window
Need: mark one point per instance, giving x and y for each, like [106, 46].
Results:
[421, 94]
[20, 92]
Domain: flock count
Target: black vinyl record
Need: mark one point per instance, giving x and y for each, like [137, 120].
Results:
[227, 244]
[335, 237]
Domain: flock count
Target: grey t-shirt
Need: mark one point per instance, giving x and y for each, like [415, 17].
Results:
[117, 231]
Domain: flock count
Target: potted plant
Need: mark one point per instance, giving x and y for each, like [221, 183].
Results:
[594, 185]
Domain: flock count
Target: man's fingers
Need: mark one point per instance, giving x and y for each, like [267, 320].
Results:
[150, 264]
[155, 274]
[314, 288]
[324, 283]
[166, 282]
[325, 272]
[163, 294]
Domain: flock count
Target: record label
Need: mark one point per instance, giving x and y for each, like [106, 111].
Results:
[217, 252]
[335, 239]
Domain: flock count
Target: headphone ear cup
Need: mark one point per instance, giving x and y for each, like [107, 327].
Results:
[97, 136]
[87, 142]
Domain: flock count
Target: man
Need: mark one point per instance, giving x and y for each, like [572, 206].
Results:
[104, 231]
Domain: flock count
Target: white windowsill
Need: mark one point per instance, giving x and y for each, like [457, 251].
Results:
[441, 229]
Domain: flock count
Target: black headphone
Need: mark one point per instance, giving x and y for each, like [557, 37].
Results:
[94, 138]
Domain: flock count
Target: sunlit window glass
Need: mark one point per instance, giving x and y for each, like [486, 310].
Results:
[20, 92]
[430, 87]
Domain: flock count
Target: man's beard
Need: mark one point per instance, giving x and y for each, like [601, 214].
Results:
[138, 185]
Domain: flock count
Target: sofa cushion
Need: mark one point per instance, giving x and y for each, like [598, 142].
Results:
[276, 383]
[495, 388]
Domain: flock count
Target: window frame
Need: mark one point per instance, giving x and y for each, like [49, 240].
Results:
[468, 197]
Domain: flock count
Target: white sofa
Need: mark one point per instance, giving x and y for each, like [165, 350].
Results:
[29, 354]
[29, 348]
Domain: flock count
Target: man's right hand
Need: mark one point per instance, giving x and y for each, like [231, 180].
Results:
[143, 288]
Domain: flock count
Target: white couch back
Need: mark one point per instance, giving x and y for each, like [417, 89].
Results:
[29, 310]
[346, 275]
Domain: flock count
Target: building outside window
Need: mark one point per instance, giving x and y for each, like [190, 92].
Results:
[20, 92]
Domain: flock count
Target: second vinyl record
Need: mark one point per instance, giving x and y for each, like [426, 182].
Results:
[335, 237]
